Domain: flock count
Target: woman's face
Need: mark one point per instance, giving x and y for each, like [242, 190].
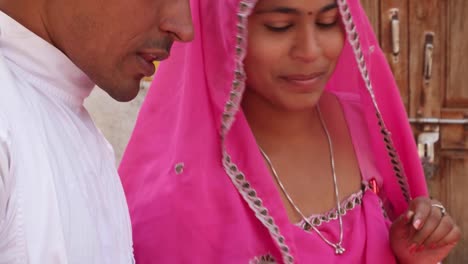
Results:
[293, 47]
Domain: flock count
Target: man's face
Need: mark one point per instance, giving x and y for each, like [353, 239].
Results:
[116, 41]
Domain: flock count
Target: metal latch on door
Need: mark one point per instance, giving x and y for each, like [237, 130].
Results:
[426, 151]
[426, 140]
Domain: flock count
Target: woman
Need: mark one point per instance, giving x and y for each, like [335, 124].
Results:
[276, 137]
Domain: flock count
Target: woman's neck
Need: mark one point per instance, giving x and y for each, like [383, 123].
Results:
[273, 125]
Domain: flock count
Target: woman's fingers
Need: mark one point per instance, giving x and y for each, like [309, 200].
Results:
[451, 238]
[443, 229]
[422, 210]
[428, 227]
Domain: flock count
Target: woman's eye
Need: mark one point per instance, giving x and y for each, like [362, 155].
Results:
[278, 28]
[327, 24]
[328, 19]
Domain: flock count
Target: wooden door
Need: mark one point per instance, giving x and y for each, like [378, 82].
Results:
[372, 8]
[450, 183]
[390, 21]
[437, 67]
[430, 64]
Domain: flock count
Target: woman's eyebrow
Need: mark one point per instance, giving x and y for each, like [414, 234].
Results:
[328, 7]
[294, 11]
[279, 9]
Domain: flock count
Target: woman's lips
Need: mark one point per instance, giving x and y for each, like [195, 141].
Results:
[304, 82]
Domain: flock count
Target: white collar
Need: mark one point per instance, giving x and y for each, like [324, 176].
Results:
[42, 64]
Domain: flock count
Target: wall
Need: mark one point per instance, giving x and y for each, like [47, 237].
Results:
[116, 120]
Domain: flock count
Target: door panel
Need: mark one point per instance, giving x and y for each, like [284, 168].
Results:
[457, 51]
[426, 53]
[394, 41]
[455, 137]
[372, 10]
[443, 95]
[431, 69]
[451, 187]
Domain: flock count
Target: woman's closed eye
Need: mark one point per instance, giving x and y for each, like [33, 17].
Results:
[278, 27]
[328, 19]
[327, 24]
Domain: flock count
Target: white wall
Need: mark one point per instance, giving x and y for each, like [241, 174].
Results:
[116, 120]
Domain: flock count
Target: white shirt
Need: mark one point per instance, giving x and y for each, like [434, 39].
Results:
[61, 200]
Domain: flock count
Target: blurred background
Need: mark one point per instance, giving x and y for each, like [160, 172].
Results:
[426, 45]
[116, 120]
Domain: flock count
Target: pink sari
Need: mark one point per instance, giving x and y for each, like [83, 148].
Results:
[197, 187]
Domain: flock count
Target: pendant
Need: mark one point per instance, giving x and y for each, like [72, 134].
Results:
[339, 250]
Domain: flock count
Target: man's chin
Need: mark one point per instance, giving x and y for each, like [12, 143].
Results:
[123, 93]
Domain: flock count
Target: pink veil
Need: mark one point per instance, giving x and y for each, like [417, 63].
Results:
[192, 168]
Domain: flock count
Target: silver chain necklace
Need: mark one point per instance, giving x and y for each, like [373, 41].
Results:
[339, 249]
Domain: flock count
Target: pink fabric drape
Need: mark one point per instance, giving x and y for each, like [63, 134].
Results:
[197, 187]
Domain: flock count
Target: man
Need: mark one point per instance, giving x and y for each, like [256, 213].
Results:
[61, 200]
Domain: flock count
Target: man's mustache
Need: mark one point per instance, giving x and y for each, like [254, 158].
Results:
[159, 44]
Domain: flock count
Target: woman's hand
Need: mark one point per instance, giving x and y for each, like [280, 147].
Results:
[424, 234]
